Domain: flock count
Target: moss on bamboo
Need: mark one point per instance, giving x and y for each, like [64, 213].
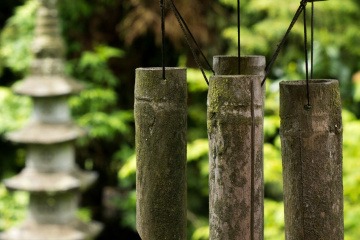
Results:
[160, 121]
[234, 208]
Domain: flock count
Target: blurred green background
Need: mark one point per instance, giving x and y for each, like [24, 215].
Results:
[108, 39]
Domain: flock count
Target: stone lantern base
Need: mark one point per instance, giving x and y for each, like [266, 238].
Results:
[75, 230]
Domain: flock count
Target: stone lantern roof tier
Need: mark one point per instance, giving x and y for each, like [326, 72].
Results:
[46, 133]
[47, 86]
[33, 181]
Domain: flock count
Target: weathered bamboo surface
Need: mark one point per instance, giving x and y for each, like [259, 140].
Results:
[235, 131]
[160, 123]
[312, 160]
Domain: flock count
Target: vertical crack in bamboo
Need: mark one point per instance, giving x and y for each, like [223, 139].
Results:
[253, 142]
[160, 124]
[311, 141]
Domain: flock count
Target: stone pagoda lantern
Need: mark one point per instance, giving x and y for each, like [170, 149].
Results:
[50, 176]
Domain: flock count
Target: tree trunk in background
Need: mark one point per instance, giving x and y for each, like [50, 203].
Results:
[160, 124]
[312, 160]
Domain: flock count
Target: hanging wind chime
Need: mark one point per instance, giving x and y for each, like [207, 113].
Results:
[311, 137]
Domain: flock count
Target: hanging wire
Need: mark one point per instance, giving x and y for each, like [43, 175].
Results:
[281, 44]
[238, 28]
[163, 37]
[188, 35]
[312, 40]
[306, 62]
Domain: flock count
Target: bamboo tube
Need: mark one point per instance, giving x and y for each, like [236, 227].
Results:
[235, 131]
[236, 210]
[311, 141]
[249, 65]
[160, 123]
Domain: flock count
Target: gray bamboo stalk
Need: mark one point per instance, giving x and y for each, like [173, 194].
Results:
[160, 123]
[235, 131]
[312, 160]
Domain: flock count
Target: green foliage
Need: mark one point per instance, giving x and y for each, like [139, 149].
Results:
[273, 172]
[127, 205]
[352, 216]
[197, 149]
[14, 110]
[196, 82]
[95, 107]
[15, 50]
[351, 178]
[12, 207]
[74, 11]
[201, 233]
[84, 214]
[93, 66]
[127, 171]
[274, 220]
